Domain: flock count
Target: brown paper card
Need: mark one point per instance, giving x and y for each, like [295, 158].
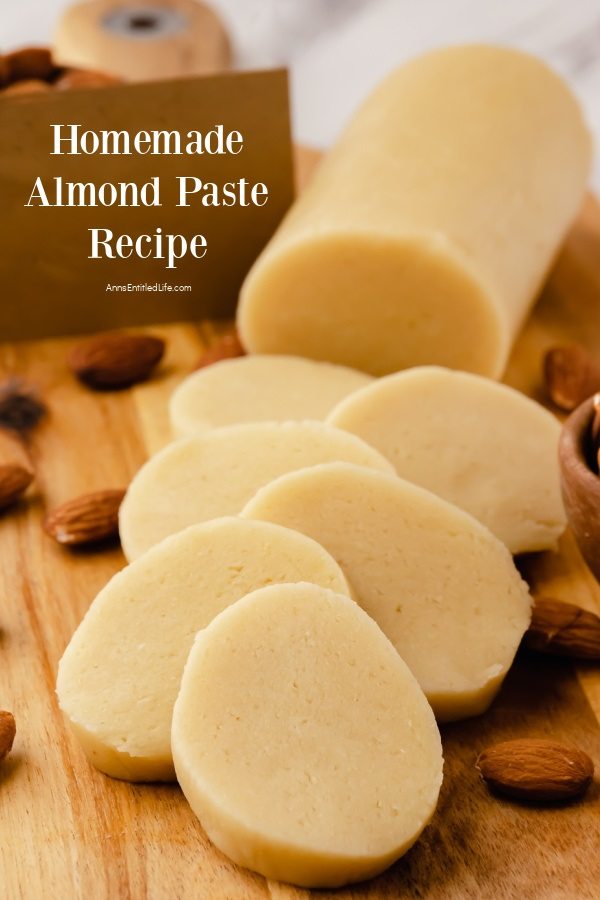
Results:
[49, 286]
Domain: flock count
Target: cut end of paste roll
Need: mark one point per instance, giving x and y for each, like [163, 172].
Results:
[260, 388]
[120, 674]
[428, 229]
[215, 473]
[377, 302]
[481, 445]
[302, 741]
[439, 584]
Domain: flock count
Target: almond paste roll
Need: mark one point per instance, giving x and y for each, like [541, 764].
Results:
[429, 228]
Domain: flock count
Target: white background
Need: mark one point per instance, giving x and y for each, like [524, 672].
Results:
[338, 49]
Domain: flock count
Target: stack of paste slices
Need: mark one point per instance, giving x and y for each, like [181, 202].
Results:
[304, 598]
[320, 565]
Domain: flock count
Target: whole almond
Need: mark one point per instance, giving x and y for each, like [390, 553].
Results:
[563, 629]
[571, 375]
[536, 769]
[116, 360]
[227, 347]
[8, 730]
[81, 78]
[30, 63]
[86, 519]
[30, 86]
[15, 478]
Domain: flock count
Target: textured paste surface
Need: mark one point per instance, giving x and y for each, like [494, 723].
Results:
[119, 676]
[302, 741]
[428, 229]
[260, 389]
[439, 584]
[481, 445]
[214, 474]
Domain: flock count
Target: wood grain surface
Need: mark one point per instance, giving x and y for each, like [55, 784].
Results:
[67, 831]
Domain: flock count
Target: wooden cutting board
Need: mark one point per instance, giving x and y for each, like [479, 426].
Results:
[68, 831]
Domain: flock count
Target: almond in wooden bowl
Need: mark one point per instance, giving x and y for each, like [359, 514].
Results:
[580, 481]
[536, 770]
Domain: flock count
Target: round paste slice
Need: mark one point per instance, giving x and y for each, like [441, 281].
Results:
[439, 584]
[302, 741]
[260, 388]
[479, 444]
[215, 474]
[119, 676]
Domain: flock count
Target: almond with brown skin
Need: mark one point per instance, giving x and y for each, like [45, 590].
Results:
[116, 360]
[86, 519]
[30, 86]
[536, 769]
[81, 78]
[8, 730]
[15, 478]
[30, 63]
[571, 375]
[563, 629]
[227, 347]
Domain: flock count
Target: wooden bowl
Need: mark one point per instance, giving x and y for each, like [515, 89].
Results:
[580, 482]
